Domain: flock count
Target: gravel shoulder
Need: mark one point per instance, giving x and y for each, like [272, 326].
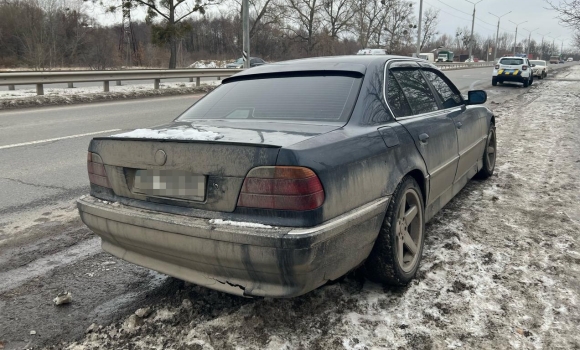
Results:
[501, 268]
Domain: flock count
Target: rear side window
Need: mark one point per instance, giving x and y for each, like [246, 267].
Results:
[308, 98]
[396, 98]
[416, 90]
[447, 94]
[511, 61]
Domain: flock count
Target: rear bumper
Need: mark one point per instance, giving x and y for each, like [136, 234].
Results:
[516, 78]
[273, 262]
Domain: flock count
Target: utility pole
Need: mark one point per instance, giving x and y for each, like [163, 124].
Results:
[497, 33]
[529, 39]
[542, 47]
[246, 33]
[472, 26]
[419, 28]
[516, 39]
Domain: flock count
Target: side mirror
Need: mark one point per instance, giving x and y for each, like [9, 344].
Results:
[533, 65]
[476, 97]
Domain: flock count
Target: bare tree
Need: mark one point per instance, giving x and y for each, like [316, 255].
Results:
[568, 12]
[172, 15]
[305, 21]
[430, 23]
[337, 16]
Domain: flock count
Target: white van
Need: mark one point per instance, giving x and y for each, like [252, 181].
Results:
[427, 56]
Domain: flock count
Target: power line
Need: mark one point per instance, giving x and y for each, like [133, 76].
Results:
[468, 20]
[469, 14]
[491, 26]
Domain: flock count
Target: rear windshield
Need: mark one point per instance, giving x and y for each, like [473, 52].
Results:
[511, 61]
[538, 63]
[308, 98]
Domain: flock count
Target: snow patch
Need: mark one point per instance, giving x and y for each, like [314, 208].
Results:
[180, 133]
[238, 223]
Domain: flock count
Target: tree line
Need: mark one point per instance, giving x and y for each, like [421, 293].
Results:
[46, 34]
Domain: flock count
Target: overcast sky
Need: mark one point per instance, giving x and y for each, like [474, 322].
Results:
[457, 13]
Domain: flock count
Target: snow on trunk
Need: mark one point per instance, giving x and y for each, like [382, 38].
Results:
[180, 133]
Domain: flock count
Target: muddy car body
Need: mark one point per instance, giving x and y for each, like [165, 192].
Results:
[301, 179]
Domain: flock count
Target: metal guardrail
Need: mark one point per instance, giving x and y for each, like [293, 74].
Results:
[70, 77]
[452, 66]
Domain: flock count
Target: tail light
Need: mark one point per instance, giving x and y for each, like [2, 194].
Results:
[97, 173]
[282, 188]
[524, 67]
[497, 66]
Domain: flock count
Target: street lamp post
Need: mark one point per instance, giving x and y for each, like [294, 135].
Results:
[516, 39]
[497, 33]
[472, 26]
[542, 47]
[554, 44]
[419, 28]
[529, 38]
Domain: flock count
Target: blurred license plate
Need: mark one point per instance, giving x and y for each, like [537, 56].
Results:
[170, 183]
[510, 70]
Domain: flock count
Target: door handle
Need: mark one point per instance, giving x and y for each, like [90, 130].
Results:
[459, 125]
[423, 137]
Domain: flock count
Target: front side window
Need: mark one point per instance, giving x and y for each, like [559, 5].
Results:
[447, 93]
[327, 98]
[416, 90]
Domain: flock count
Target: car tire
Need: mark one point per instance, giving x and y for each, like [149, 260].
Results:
[494, 81]
[489, 155]
[388, 261]
[531, 80]
[526, 83]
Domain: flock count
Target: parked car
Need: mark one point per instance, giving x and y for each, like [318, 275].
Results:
[561, 61]
[540, 68]
[513, 69]
[274, 184]
[372, 52]
[239, 63]
[570, 59]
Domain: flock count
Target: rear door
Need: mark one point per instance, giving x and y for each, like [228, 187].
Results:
[413, 104]
[470, 123]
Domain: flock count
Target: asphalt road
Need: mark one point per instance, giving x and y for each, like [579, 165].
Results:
[44, 247]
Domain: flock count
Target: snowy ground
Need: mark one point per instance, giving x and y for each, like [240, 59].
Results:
[501, 266]
[12, 94]
[61, 96]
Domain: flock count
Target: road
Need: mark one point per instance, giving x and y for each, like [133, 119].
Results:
[43, 245]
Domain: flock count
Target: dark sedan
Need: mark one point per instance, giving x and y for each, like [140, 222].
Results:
[292, 174]
[239, 63]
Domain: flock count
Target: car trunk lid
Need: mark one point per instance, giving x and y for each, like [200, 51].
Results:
[201, 166]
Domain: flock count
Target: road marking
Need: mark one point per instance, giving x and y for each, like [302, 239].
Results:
[58, 138]
[471, 87]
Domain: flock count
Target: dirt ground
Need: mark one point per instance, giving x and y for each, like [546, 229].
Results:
[501, 266]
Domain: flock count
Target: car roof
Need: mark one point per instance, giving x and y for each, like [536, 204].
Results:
[357, 64]
[513, 57]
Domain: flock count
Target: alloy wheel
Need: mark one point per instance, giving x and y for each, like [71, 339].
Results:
[409, 230]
